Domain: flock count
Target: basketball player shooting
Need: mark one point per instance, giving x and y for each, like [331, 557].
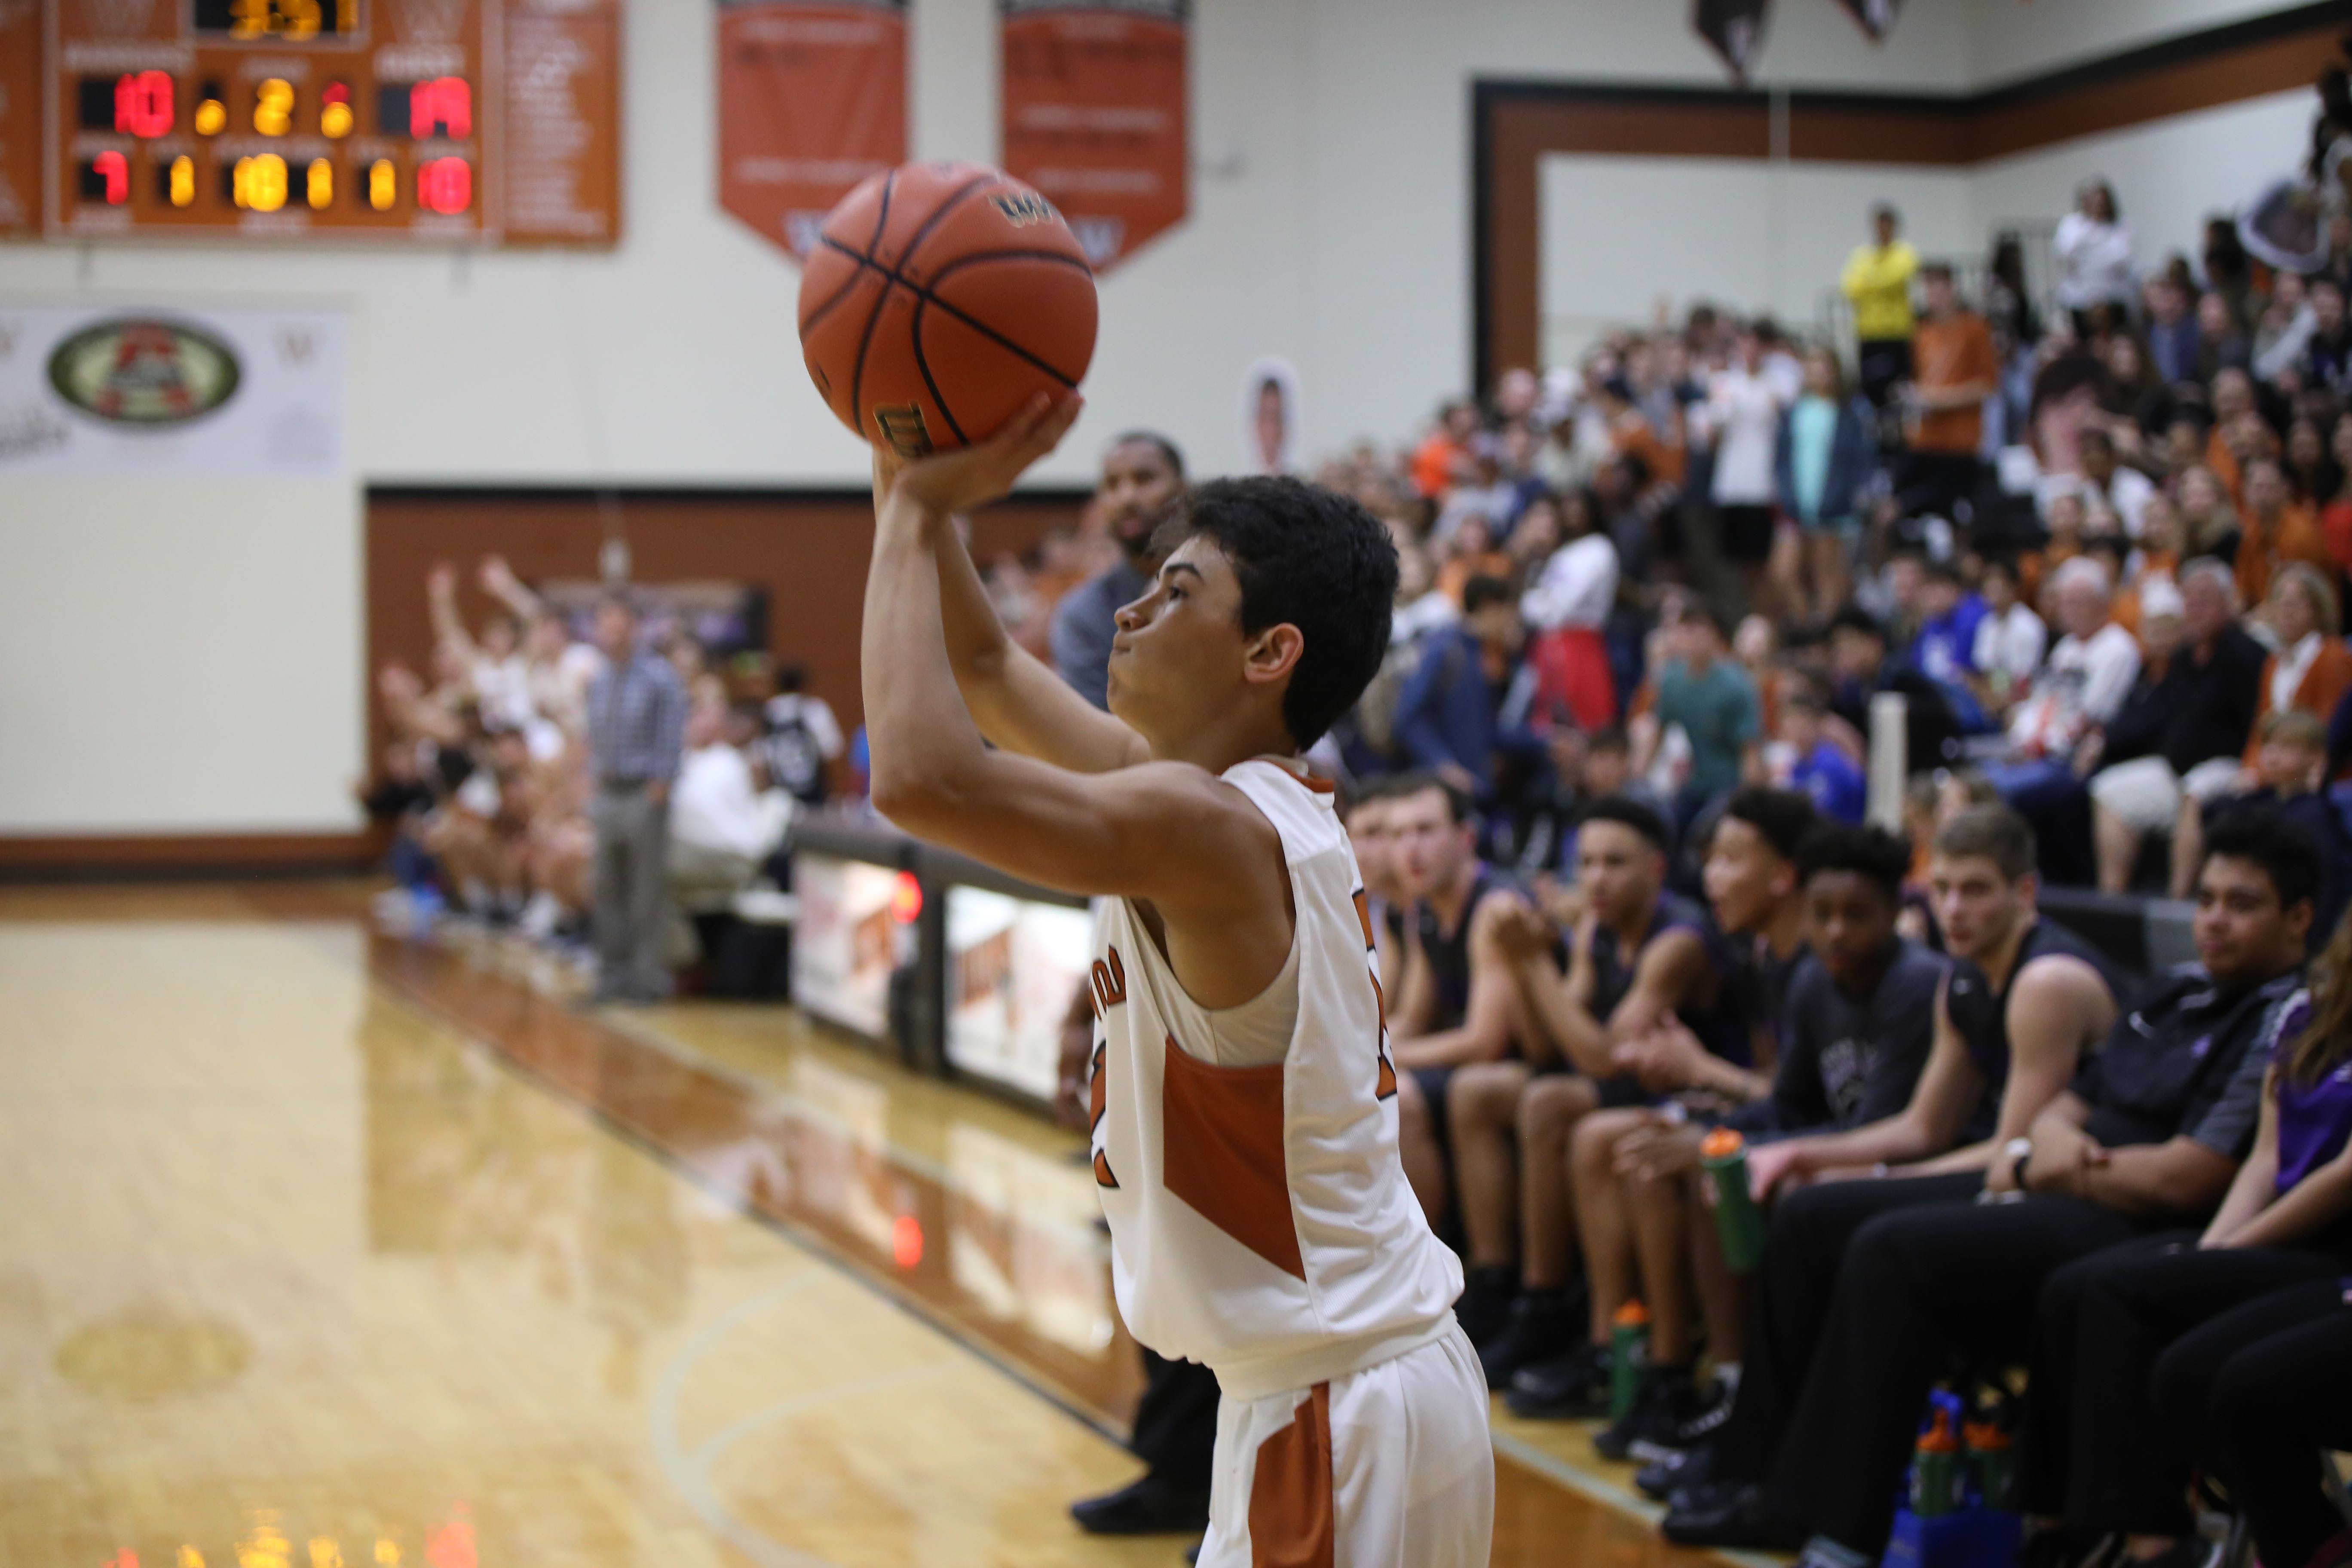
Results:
[1242, 1102]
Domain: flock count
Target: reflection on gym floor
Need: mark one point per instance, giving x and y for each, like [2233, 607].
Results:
[329, 1250]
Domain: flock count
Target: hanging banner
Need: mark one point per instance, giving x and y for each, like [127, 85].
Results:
[1875, 17]
[1734, 29]
[812, 99]
[1095, 115]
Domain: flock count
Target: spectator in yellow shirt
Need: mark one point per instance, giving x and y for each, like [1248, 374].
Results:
[1877, 281]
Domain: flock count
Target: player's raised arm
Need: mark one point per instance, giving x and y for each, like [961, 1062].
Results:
[1018, 703]
[1168, 831]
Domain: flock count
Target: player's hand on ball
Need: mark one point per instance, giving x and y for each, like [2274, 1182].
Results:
[957, 482]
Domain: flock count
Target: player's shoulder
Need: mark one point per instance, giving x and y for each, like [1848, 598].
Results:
[1298, 805]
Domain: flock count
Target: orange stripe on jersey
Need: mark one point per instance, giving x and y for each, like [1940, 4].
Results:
[1291, 1523]
[1364, 914]
[1097, 1090]
[1318, 785]
[1386, 1087]
[1222, 1152]
[1102, 1178]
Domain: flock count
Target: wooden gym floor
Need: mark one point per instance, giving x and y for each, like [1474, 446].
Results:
[321, 1250]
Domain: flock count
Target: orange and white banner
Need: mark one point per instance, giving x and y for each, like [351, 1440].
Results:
[1097, 115]
[812, 99]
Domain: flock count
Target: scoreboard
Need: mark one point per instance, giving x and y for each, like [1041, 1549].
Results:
[434, 121]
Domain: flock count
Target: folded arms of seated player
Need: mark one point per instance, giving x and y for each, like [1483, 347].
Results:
[1670, 971]
[1486, 1031]
[2256, 1213]
[2179, 1178]
[2057, 1007]
[1108, 819]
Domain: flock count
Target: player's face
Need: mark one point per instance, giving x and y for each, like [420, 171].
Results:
[1370, 830]
[1746, 878]
[1428, 845]
[1618, 869]
[1138, 485]
[2241, 933]
[1853, 923]
[1976, 907]
[1180, 661]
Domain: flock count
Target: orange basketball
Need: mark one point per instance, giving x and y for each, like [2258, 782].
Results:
[941, 299]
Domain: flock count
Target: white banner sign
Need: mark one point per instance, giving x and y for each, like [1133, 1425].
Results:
[133, 391]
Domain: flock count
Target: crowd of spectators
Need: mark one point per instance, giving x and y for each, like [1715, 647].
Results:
[601, 794]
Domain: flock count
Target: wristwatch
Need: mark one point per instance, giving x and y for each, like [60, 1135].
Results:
[2016, 1152]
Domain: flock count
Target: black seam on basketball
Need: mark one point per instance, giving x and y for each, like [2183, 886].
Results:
[835, 298]
[881, 218]
[980, 256]
[857, 374]
[922, 293]
[955, 199]
[923, 364]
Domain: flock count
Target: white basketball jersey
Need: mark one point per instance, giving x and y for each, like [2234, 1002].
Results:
[1260, 1218]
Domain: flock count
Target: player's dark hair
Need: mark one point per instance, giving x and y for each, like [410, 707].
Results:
[1404, 786]
[1872, 853]
[1994, 833]
[1482, 591]
[1632, 813]
[1153, 438]
[1310, 558]
[1781, 817]
[2266, 836]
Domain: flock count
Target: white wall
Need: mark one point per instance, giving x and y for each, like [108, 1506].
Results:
[2168, 177]
[1336, 237]
[2011, 39]
[1733, 231]
[179, 657]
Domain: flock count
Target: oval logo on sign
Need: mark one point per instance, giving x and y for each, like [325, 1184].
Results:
[143, 372]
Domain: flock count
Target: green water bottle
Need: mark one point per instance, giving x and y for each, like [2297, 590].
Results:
[1724, 1157]
[1993, 1454]
[1629, 1344]
[1936, 1469]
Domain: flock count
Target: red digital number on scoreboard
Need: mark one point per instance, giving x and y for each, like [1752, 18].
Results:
[142, 104]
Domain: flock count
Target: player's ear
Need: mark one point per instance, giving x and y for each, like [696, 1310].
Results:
[1274, 653]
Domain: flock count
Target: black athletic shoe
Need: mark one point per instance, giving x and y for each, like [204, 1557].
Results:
[1729, 1513]
[1149, 1507]
[1575, 1384]
[1668, 1397]
[1484, 1308]
[1541, 1324]
[1673, 1475]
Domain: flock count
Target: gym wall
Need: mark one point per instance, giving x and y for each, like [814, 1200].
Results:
[1332, 212]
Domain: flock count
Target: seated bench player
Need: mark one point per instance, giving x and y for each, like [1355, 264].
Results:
[1636, 954]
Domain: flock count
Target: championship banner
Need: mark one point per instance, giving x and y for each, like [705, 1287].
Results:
[1734, 29]
[812, 99]
[139, 391]
[1095, 118]
[1875, 17]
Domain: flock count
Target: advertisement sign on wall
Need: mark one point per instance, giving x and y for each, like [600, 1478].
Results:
[1013, 967]
[135, 391]
[847, 941]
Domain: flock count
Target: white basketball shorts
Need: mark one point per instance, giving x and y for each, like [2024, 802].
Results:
[1391, 1467]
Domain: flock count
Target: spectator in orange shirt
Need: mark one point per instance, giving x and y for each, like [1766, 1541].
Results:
[2312, 669]
[2209, 516]
[1439, 461]
[2336, 516]
[2278, 528]
[2233, 396]
[1954, 371]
